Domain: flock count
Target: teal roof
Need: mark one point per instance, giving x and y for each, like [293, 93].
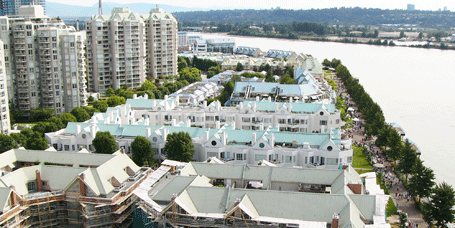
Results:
[142, 103]
[239, 136]
[271, 87]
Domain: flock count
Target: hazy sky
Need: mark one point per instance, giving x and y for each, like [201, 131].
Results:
[287, 4]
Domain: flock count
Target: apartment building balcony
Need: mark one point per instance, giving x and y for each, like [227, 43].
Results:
[44, 46]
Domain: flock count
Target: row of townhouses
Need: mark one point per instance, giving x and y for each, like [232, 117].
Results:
[224, 195]
[294, 116]
[65, 189]
[316, 150]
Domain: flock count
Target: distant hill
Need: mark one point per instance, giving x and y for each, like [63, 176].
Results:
[332, 16]
[54, 9]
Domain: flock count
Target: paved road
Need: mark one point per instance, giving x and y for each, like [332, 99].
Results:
[403, 204]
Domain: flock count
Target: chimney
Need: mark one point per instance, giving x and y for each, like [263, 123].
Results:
[217, 105]
[174, 122]
[257, 98]
[276, 106]
[146, 96]
[335, 220]
[153, 103]
[93, 130]
[224, 138]
[149, 132]
[14, 197]
[107, 120]
[241, 105]
[165, 133]
[111, 116]
[277, 126]
[356, 188]
[39, 183]
[233, 124]
[135, 96]
[82, 185]
[78, 129]
[188, 122]
[270, 99]
[272, 140]
[166, 97]
[261, 126]
[177, 100]
[253, 138]
[206, 136]
[217, 124]
[290, 100]
[205, 103]
[290, 107]
[322, 128]
[147, 121]
[254, 106]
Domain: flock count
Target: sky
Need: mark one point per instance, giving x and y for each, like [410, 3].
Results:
[285, 4]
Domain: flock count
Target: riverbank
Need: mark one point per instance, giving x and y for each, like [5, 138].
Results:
[351, 40]
[399, 194]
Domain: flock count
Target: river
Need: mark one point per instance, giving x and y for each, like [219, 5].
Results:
[413, 86]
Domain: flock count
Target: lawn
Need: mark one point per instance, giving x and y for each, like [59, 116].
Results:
[359, 160]
[391, 209]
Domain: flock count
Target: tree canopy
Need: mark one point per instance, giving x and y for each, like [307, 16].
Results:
[179, 147]
[440, 208]
[80, 114]
[7, 143]
[142, 151]
[104, 143]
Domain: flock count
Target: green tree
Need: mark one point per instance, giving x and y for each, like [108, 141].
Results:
[286, 79]
[44, 127]
[41, 114]
[113, 101]
[90, 99]
[179, 147]
[327, 63]
[422, 180]
[100, 105]
[110, 92]
[181, 63]
[90, 110]
[420, 35]
[36, 142]
[147, 85]
[66, 118]
[19, 138]
[408, 160]
[440, 208]
[142, 151]
[239, 67]
[190, 75]
[7, 143]
[80, 114]
[58, 122]
[104, 143]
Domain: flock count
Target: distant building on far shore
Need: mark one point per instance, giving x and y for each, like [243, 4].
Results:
[411, 7]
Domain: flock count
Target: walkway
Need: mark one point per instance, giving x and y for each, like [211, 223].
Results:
[402, 203]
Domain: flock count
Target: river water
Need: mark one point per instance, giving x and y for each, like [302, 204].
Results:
[413, 86]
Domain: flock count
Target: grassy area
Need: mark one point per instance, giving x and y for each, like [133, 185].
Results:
[391, 209]
[327, 73]
[359, 160]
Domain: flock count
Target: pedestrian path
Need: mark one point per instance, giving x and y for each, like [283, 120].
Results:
[398, 191]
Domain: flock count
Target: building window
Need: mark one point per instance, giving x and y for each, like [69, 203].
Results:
[329, 148]
[239, 157]
[213, 143]
[261, 145]
[323, 122]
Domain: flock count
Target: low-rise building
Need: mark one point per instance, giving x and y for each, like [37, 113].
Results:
[220, 195]
[64, 189]
[250, 51]
[316, 150]
[293, 116]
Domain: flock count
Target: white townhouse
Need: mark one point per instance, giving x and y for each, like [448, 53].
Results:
[313, 150]
[294, 116]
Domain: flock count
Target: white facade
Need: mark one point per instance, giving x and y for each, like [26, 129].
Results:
[116, 50]
[322, 150]
[5, 125]
[252, 115]
[162, 44]
[39, 60]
